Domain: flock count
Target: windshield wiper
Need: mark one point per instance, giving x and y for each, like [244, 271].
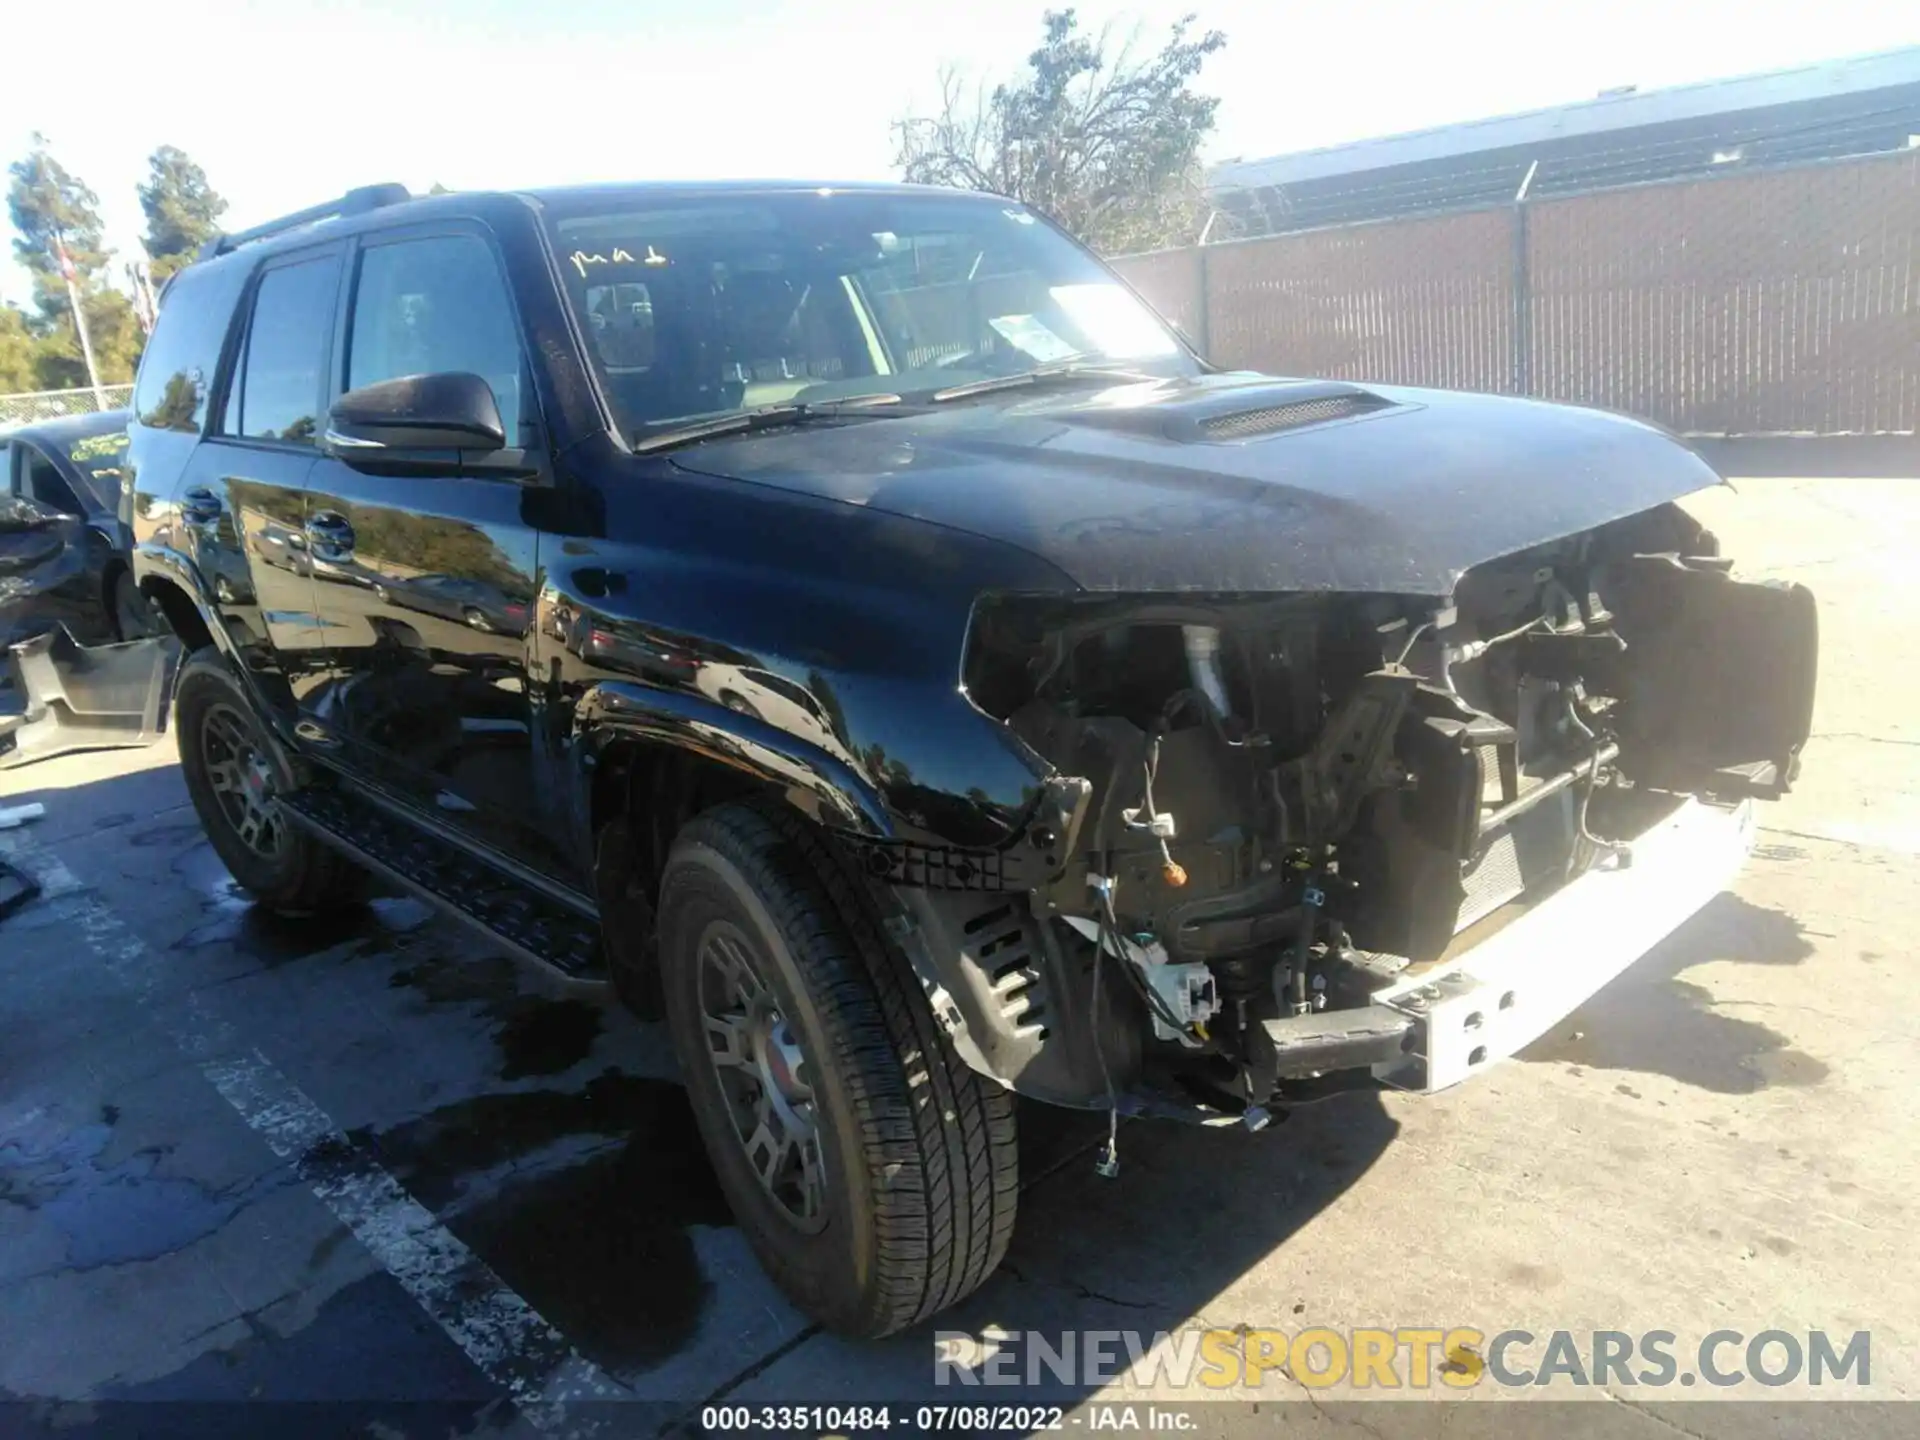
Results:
[765, 417]
[1077, 369]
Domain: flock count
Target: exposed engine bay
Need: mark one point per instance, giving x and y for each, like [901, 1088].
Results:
[1291, 799]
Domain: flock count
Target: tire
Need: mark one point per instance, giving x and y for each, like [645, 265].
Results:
[914, 1160]
[230, 767]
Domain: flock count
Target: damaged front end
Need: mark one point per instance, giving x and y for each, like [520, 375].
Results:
[1282, 831]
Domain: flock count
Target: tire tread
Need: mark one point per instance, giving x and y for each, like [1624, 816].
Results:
[318, 877]
[938, 1140]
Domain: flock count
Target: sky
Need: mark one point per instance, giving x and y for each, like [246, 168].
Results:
[291, 102]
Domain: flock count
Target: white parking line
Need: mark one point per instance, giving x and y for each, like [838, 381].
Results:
[505, 1337]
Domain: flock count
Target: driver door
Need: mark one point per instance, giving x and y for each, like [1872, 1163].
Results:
[424, 584]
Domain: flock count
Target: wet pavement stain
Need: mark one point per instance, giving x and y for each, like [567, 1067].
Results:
[598, 1241]
[275, 939]
[230, 916]
[369, 1339]
[537, 1035]
[113, 1214]
[184, 832]
[547, 1039]
[1651, 1021]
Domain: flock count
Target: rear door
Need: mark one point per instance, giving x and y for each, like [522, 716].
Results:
[424, 584]
[247, 482]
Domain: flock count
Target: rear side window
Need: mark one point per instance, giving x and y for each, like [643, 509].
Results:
[178, 367]
[278, 397]
[431, 306]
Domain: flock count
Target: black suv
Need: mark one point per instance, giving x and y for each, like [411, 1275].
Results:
[849, 622]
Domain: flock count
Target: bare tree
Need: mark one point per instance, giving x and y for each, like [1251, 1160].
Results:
[1102, 138]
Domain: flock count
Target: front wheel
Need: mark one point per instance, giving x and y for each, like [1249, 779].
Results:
[874, 1174]
[234, 777]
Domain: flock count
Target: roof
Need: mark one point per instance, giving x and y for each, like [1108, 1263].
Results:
[1826, 110]
[709, 189]
[68, 428]
[377, 206]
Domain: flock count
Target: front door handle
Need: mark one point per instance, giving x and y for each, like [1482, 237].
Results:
[199, 506]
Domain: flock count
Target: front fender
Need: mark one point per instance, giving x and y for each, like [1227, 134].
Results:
[819, 784]
[154, 564]
[193, 614]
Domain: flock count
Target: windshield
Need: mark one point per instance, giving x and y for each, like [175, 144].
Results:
[100, 460]
[707, 306]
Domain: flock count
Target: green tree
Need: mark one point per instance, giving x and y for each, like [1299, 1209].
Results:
[1103, 139]
[183, 210]
[19, 352]
[114, 331]
[49, 205]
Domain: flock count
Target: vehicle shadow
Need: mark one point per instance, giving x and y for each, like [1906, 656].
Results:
[573, 1170]
[1653, 1022]
[1169, 1243]
[1191, 1211]
[1853, 457]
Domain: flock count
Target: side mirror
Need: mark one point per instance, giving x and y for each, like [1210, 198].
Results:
[452, 411]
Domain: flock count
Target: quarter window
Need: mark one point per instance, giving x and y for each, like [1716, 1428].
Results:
[286, 351]
[184, 352]
[435, 306]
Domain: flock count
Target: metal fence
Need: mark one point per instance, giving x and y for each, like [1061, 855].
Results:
[34, 405]
[1774, 302]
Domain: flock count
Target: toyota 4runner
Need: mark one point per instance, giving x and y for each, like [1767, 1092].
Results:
[848, 622]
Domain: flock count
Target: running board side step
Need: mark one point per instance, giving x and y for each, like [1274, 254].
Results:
[530, 925]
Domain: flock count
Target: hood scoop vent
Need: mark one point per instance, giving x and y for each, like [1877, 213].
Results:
[1271, 419]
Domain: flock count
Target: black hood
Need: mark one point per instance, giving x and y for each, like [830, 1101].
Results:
[1236, 482]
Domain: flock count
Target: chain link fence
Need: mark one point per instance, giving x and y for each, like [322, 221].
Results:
[36, 405]
[1767, 303]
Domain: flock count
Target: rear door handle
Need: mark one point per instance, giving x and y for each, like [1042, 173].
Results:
[199, 505]
[331, 529]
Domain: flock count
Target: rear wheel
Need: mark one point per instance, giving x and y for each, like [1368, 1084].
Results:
[234, 777]
[874, 1173]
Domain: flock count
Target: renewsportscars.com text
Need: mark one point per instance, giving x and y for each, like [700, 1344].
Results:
[1404, 1357]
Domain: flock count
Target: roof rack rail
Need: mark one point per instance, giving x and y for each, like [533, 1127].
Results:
[354, 202]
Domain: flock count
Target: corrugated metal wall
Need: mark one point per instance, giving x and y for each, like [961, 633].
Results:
[1785, 301]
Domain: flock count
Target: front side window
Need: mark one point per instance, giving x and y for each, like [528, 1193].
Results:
[704, 306]
[280, 375]
[431, 307]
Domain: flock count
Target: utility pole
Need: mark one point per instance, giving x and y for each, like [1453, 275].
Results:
[146, 309]
[68, 274]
